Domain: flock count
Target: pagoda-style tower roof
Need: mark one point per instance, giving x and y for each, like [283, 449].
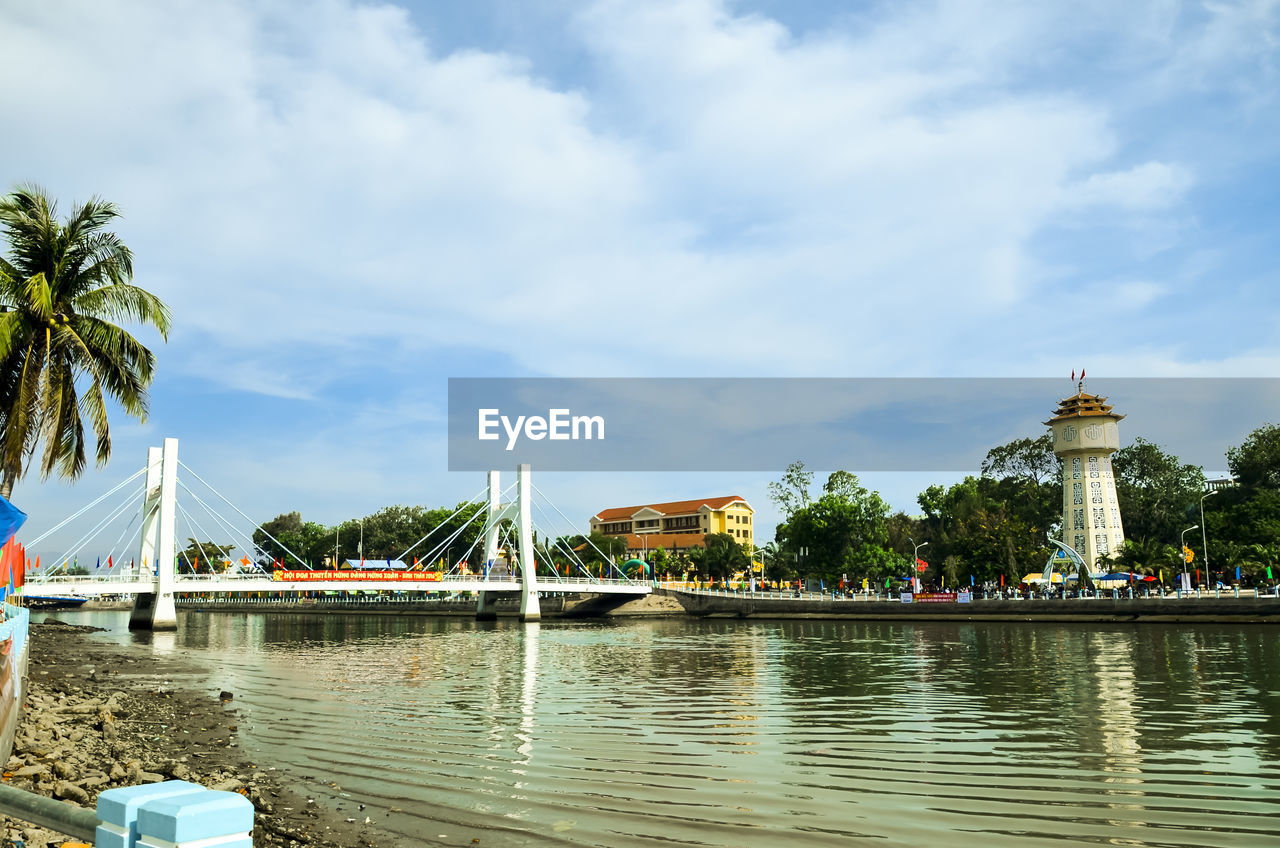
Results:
[1083, 405]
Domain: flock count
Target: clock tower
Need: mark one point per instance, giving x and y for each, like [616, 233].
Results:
[1085, 434]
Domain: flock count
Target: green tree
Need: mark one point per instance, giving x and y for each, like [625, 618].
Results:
[62, 357]
[204, 557]
[845, 531]
[311, 542]
[1256, 462]
[600, 546]
[1032, 460]
[722, 556]
[1146, 555]
[791, 493]
[1154, 490]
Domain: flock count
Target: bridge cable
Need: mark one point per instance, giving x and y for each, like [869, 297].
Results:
[227, 527]
[443, 545]
[573, 555]
[566, 518]
[111, 553]
[200, 545]
[97, 528]
[473, 499]
[38, 539]
[242, 515]
[560, 540]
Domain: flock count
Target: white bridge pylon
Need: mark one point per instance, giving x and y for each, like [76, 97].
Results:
[154, 583]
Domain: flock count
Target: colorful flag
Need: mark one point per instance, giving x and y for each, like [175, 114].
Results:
[1073, 375]
[1268, 572]
[109, 563]
[1081, 373]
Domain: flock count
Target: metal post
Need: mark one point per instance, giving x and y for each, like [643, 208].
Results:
[1186, 578]
[46, 812]
[1204, 537]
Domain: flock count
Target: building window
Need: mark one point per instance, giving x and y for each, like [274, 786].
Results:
[1077, 493]
[1077, 519]
[1075, 467]
[1095, 492]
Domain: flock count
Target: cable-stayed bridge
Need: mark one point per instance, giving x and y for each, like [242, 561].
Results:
[154, 576]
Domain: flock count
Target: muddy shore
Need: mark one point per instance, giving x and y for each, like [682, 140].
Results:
[85, 728]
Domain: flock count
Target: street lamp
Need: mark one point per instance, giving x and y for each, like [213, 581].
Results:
[1204, 539]
[915, 554]
[1183, 538]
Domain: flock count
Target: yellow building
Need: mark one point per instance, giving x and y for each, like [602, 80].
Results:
[677, 525]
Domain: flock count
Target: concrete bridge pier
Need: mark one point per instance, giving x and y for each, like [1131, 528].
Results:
[156, 610]
[485, 600]
[529, 608]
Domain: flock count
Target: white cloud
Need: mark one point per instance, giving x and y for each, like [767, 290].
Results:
[328, 196]
[1151, 185]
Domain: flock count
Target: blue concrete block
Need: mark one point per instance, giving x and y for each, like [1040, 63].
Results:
[187, 818]
[118, 809]
[242, 840]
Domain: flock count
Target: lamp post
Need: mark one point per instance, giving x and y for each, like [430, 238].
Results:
[1183, 538]
[915, 554]
[1204, 539]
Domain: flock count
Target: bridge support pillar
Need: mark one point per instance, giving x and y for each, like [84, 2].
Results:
[156, 610]
[529, 608]
[484, 604]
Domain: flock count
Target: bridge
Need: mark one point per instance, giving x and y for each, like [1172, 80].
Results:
[154, 578]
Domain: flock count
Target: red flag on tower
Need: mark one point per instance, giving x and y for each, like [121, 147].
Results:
[1081, 373]
[1073, 375]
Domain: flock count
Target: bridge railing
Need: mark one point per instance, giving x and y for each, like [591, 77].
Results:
[373, 577]
[73, 579]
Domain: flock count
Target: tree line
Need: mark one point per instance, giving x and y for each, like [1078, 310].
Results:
[997, 525]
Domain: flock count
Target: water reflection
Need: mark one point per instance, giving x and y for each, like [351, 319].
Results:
[735, 733]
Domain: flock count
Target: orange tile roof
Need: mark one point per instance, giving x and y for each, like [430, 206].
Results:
[670, 508]
[666, 541]
[1082, 405]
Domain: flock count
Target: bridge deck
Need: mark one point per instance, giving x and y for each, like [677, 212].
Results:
[129, 585]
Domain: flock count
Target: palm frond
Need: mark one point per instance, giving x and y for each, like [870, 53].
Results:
[125, 302]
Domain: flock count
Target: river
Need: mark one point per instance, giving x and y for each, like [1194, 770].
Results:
[754, 733]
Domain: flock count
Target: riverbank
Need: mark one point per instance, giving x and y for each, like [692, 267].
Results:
[93, 719]
[1205, 610]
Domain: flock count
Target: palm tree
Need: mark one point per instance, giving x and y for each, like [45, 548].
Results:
[61, 356]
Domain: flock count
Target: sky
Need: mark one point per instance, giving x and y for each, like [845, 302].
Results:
[345, 204]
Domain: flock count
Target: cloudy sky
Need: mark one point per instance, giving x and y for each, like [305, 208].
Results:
[347, 203]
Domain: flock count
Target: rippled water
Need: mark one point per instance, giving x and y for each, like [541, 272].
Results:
[730, 733]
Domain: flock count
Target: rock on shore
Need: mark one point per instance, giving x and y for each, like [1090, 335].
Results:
[84, 729]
